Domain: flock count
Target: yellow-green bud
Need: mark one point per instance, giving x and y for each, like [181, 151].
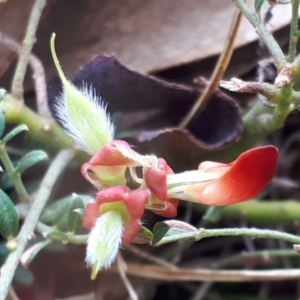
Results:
[82, 113]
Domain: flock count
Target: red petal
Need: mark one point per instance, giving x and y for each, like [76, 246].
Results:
[156, 179]
[246, 177]
[131, 230]
[135, 202]
[90, 215]
[117, 153]
[113, 194]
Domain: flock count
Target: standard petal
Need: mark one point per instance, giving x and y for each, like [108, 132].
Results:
[117, 153]
[112, 194]
[245, 178]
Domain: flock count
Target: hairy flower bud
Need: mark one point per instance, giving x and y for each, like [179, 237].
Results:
[104, 241]
[82, 113]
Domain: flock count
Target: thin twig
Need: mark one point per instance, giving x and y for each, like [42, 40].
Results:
[38, 75]
[29, 40]
[122, 266]
[294, 34]
[217, 73]
[55, 170]
[185, 274]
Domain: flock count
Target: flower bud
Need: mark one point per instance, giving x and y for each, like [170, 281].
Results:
[82, 113]
[104, 241]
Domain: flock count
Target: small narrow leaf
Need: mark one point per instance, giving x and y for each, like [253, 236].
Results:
[75, 219]
[9, 223]
[159, 231]
[258, 4]
[14, 132]
[2, 123]
[30, 254]
[30, 159]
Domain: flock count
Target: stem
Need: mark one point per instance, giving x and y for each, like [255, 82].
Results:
[55, 170]
[281, 110]
[256, 22]
[218, 72]
[294, 34]
[13, 175]
[249, 232]
[29, 40]
[43, 130]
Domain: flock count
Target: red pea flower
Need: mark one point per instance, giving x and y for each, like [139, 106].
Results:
[107, 167]
[129, 204]
[224, 184]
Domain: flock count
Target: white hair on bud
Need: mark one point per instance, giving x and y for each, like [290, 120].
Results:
[104, 241]
[86, 129]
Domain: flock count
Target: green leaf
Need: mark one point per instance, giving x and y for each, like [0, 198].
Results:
[258, 4]
[14, 132]
[57, 213]
[159, 231]
[2, 123]
[74, 218]
[31, 253]
[178, 227]
[30, 159]
[9, 223]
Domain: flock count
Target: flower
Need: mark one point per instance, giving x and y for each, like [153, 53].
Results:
[224, 184]
[129, 204]
[108, 166]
